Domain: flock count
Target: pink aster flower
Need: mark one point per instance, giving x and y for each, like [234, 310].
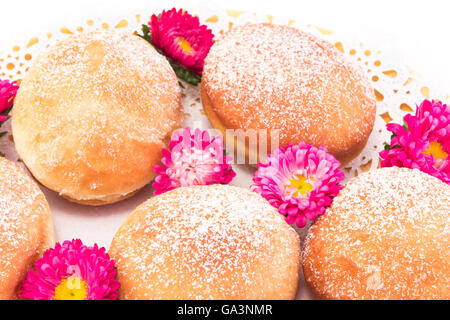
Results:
[8, 91]
[182, 38]
[72, 271]
[423, 142]
[300, 181]
[193, 159]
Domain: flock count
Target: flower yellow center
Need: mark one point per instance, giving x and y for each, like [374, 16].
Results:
[185, 46]
[72, 288]
[436, 151]
[300, 184]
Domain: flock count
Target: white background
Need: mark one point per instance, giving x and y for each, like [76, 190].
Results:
[416, 32]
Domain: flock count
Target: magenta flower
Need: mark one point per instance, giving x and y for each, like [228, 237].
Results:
[8, 91]
[72, 271]
[182, 38]
[423, 142]
[193, 159]
[300, 181]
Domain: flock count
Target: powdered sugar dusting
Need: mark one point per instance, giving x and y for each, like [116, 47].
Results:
[23, 215]
[276, 77]
[92, 103]
[206, 242]
[386, 236]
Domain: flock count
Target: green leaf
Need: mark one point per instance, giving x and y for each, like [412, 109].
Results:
[6, 111]
[405, 125]
[388, 147]
[393, 136]
[185, 74]
[146, 34]
[181, 72]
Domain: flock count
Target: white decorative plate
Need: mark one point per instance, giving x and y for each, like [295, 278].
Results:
[397, 89]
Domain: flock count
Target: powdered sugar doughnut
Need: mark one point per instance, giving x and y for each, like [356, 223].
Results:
[386, 236]
[207, 242]
[266, 76]
[26, 227]
[93, 113]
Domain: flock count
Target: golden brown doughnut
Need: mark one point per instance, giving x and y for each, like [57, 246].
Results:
[207, 242]
[26, 227]
[386, 236]
[93, 113]
[266, 76]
